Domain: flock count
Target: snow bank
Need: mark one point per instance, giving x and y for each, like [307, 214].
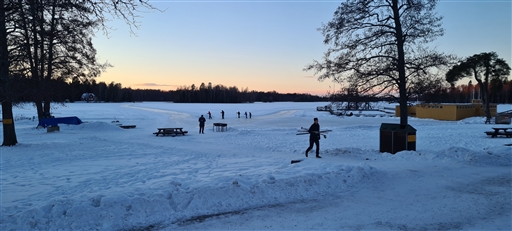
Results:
[175, 202]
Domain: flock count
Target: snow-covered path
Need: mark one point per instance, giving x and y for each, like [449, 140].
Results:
[402, 197]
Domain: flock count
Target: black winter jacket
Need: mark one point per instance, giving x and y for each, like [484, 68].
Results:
[201, 121]
[314, 132]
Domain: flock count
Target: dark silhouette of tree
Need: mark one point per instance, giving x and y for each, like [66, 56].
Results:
[6, 97]
[49, 40]
[211, 93]
[203, 93]
[484, 67]
[53, 41]
[378, 47]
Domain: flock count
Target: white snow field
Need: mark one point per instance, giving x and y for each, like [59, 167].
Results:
[97, 176]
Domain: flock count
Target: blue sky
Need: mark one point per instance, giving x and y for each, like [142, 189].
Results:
[264, 45]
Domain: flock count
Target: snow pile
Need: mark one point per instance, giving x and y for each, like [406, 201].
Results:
[176, 202]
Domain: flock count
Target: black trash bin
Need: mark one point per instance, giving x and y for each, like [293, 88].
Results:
[395, 138]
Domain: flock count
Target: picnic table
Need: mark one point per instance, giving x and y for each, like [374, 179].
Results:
[170, 131]
[220, 127]
[498, 132]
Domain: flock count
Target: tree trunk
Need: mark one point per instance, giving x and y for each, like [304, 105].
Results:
[40, 112]
[485, 88]
[402, 80]
[43, 109]
[8, 124]
[46, 108]
[7, 117]
[486, 100]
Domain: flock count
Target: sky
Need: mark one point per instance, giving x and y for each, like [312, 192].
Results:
[97, 176]
[264, 45]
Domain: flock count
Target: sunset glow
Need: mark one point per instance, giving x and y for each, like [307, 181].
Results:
[264, 46]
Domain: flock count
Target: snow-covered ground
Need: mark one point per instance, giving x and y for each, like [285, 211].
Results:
[97, 176]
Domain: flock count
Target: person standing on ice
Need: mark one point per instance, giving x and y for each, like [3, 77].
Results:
[222, 113]
[314, 137]
[202, 120]
[209, 115]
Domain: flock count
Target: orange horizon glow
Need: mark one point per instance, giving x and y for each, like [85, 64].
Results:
[152, 86]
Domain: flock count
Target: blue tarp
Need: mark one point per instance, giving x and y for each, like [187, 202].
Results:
[62, 120]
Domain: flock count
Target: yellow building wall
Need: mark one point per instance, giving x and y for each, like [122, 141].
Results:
[480, 110]
[436, 111]
[411, 111]
[446, 111]
[465, 111]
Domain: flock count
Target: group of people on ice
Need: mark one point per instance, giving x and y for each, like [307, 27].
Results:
[314, 131]
[247, 115]
[202, 119]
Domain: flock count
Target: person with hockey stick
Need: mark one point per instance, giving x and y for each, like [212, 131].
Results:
[314, 137]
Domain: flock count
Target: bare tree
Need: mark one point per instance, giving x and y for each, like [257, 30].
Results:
[54, 42]
[9, 131]
[484, 67]
[428, 83]
[52, 39]
[379, 45]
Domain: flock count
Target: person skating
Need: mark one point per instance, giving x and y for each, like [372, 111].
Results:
[314, 137]
[202, 120]
[209, 115]
[222, 113]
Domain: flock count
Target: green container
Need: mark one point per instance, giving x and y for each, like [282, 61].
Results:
[395, 138]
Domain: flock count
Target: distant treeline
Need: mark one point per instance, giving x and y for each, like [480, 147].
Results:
[114, 92]
[208, 93]
[499, 93]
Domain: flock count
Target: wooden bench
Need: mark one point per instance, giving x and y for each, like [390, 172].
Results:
[170, 131]
[220, 127]
[498, 132]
